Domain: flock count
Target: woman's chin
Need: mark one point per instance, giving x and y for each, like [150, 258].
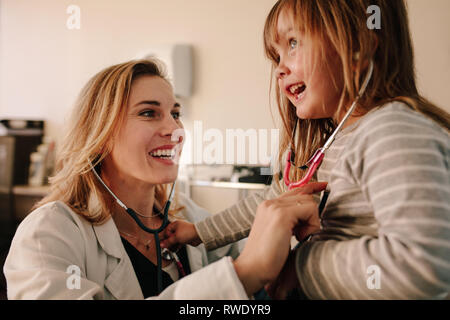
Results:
[159, 178]
[169, 178]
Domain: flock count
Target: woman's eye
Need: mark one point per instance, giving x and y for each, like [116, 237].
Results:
[292, 44]
[176, 115]
[148, 113]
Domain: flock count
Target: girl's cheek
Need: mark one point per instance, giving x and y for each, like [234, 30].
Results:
[280, 87]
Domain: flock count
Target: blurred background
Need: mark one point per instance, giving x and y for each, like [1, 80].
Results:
[50, 48]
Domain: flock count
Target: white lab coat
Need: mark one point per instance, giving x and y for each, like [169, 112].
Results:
[53, 243]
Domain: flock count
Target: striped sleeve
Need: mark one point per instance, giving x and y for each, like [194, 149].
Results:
[234, 223]
[400, 160]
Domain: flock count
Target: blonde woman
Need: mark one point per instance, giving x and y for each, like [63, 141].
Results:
[80, 244]
[385, 224]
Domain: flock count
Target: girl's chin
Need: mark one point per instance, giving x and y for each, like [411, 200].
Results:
[303, 113]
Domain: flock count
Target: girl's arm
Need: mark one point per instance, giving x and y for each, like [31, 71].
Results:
[225, 227]
[228, 226]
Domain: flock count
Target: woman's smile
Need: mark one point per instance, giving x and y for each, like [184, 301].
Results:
[166, 154]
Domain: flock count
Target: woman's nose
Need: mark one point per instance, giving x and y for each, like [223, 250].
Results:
[171, 128]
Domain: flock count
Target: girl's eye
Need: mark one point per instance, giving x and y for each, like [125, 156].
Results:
[293, 43]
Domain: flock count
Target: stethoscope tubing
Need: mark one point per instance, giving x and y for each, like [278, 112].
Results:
[317, 158]
[155, 233]
[138, 221]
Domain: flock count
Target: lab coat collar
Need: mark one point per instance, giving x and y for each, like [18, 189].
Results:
[121, 280]
[107, 233]
[109, 238]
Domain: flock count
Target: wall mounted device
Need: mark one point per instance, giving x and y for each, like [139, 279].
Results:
[178, 59]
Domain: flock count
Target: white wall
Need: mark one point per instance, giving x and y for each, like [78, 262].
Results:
[430, 28]
[43, 65]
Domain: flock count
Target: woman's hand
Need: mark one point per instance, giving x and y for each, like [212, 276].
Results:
[179, 233]
[268, 245]
[286, 281]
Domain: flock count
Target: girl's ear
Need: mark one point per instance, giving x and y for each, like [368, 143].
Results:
[357, 55]
[364, 63]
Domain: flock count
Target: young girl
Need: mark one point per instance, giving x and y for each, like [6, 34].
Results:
[385, 225]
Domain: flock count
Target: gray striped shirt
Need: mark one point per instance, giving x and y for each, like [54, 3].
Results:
[386, 224]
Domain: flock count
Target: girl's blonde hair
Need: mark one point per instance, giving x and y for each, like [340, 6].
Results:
[99, 112]
[341, 24]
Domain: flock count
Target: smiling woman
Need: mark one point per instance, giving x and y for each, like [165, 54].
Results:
[125, 128]
[116, 129]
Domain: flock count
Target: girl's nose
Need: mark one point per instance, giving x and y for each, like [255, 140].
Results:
[281, 71]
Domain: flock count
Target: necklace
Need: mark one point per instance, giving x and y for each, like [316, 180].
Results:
[147, 244]
[150, 216]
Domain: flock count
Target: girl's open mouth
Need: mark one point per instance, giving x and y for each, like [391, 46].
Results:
[297, 90]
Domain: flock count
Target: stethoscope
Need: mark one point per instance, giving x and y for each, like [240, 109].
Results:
[168, 255]
[318, 156]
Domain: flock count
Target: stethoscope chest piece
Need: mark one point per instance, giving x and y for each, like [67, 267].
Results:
[172, 256]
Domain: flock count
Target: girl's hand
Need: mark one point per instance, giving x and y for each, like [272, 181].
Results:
[179, 233]
[268, 245]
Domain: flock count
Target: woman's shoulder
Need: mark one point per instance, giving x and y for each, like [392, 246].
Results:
[53, 208]
[55, 214]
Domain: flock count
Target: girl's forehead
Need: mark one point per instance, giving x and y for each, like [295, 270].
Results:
[283, 25]
[285, 21]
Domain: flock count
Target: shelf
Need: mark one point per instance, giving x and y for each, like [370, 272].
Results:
[228, 185]
[25, 190]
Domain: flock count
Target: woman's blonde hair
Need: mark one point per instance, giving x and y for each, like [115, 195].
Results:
[99, 112]
[341, 24]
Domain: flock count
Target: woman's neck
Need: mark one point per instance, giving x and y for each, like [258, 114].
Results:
[134, 194]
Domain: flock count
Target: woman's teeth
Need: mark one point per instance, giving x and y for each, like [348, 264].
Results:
[167, 153]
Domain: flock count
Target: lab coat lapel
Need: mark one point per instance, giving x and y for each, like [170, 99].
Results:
[121, 280]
